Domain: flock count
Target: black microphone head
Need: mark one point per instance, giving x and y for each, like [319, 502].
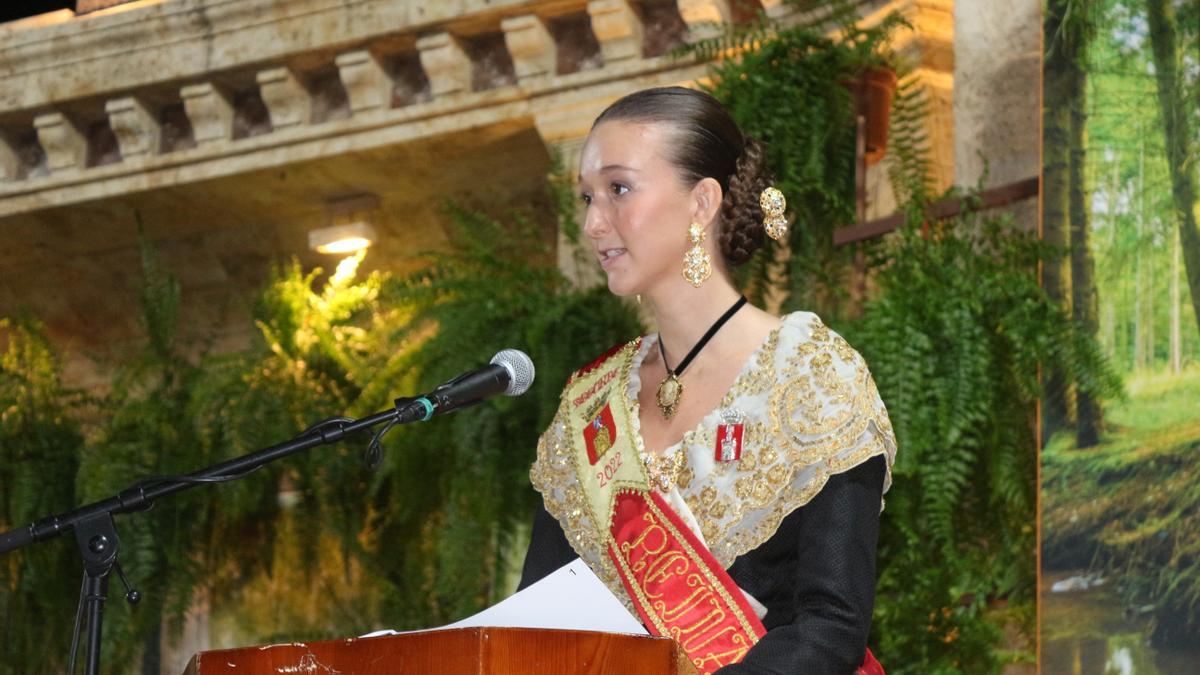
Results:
[520, 370]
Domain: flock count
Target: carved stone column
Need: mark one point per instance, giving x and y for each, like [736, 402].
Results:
[446, 64]
[64, 144]
[367, 82]
[701, 15]
[618, 29]
[210, 113]
[530, 45]
[287, 99]
[135, 126]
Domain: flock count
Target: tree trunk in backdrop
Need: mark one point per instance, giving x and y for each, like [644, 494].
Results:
[1176, 314]
[1083, 287]
[1175, 111]
[1056, 159]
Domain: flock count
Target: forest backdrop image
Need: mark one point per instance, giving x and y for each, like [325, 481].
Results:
[1120, 505]
[948, 312]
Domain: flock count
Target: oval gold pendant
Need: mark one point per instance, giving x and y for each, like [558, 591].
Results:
[669, 392]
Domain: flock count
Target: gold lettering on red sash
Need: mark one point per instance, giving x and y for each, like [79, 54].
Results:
[673, 614]
[725, 658]
[678, 588]
[674, 586]
[651, 529]
[669, 565]
[713, 618]
[722, 630]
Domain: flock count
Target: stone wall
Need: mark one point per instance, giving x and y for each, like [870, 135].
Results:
[232, 122]
[225, 125]
[997, 90]
[997, 96]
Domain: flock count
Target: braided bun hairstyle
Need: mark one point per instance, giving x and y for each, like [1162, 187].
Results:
[708, 144]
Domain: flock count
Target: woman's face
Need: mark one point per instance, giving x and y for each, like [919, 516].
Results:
[638, 210]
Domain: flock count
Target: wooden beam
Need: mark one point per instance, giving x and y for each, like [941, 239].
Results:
[991, 198]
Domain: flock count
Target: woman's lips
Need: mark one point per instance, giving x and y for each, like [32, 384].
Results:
[609, 257]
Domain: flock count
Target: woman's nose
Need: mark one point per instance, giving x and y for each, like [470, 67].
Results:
[595, 222]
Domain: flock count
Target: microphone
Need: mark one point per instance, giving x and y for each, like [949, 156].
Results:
[510, 373]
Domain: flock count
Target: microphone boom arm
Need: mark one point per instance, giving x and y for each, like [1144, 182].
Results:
[510, 373]
[95, 532]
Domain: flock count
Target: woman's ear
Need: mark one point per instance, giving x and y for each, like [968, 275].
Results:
[707, 196]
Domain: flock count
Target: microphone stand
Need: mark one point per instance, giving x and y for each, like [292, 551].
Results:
[96, 534]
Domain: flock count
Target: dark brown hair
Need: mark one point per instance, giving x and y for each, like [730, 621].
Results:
[708, 144]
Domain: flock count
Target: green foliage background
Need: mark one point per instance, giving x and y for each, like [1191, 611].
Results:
[954, 338]
[953, 328]
[39, 456]
[317, 543]
[1127, 508]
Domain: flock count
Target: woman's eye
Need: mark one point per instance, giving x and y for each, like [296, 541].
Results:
[619, 189]
[586, 199]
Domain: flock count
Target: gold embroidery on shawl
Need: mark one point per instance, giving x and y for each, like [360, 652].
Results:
[818, 414]
[822, 415]
[554, 476]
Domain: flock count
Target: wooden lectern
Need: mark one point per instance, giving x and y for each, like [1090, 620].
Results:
[482, 651]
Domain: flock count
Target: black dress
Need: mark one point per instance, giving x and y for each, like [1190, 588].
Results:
[815, 575]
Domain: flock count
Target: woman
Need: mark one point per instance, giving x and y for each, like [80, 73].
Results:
[724, 475]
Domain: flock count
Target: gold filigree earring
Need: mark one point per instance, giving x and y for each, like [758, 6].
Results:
[773, 205]
[697, 266]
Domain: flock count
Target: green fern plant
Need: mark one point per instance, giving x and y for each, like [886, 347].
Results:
[954, 337]
[428, 537]
[39, 448]
[910, 168]
[147, 433]
[785, 83]
[953, 325]
[322, 349]
[498, 288]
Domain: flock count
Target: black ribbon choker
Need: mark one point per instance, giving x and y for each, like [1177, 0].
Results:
[670, 390]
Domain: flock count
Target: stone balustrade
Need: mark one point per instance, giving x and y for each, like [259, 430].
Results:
[227, 125]
[194, 89]
[178, 83]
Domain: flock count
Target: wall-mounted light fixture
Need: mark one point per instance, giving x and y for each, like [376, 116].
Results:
[349, 228]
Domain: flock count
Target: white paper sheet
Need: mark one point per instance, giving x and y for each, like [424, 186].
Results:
[570, 598]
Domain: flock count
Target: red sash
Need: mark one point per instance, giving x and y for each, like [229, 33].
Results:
[660, 561]
[677, 586]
